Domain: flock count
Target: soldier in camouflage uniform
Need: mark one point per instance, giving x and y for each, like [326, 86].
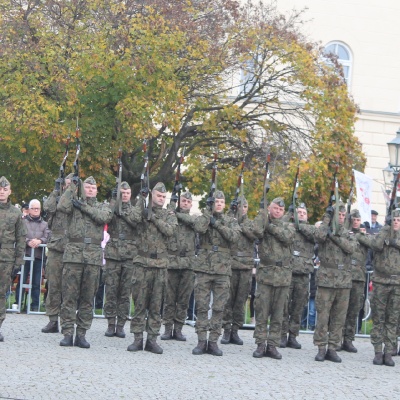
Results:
[357, 292]
[180, 275]
[302, 266]
[213, 270]
[83, 258]
[333, 282]
[119, 253]
[12, 244]
[56, 245]
[150, 269]
[273, 277]
[385, 303]
[240, 282]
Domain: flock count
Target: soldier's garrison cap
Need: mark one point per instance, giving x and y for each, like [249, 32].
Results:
[302, 205]
[342, 207]
[90, 180]
[355, 213]
[160, 187]
[187, 195]
[4, 182]
[125, 185]
[396, 213]
[69, 176]
[242, 199]
[219, 194]
[279, 201]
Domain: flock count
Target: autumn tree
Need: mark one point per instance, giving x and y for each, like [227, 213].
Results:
[208, 76]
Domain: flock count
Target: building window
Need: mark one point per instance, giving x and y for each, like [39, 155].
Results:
[344, 56]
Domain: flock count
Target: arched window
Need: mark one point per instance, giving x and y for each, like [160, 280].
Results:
[344, 57]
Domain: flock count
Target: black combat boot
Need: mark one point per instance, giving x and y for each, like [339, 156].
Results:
[259, 352]
[201, 348]
[272, 352]
[213, 349]
[378, 359]
[283, 343]
[137, 344]
[331, 355]
[153, 347]
[110, 332]
[398, 352]
[235, 339]
[387, 360]
[80, 341]
[394, 352]
[293, 343]
[178, 335]
[226, 337]
[67, 341]
[119, 331]
[1, 337]
[51, 327]
[167, 335]
[348, 346]
[321, 354]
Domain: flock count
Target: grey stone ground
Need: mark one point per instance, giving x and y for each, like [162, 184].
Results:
[34, 366]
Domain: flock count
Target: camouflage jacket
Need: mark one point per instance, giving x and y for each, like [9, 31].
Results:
[334, 252]
[181, 245]
[274, 250]
[303, 252]
[153, 236]
[242, 251]
[215, 243]
[36, 229]
[386, 246]
[12, 234]
[123, 233]
[359, 260]
[57, 221]
[85, 228]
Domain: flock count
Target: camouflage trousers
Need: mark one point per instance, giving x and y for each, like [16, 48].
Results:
[385, 309]
[240, 286]
[203, 286]
[54, 270]
[118, 282]
[331, 305]
[179, 287]
[268, 303]
[79, 286]
[295, 303]
[147, 293]
[356, 301]
[5, 281]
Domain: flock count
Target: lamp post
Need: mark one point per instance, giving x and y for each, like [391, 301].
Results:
[394, 163]
[388, 178]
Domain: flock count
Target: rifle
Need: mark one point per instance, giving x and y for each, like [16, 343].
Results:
[76, 161]
[213, 187]
[61, 175]
[176, 192]
[266, 187]
[119, 180]
[334, 197]
[349, 200]
[145, 181]
[393, 198]
[237, 208]
[294, 198]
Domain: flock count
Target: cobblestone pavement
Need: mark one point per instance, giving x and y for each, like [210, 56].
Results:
[36, 367]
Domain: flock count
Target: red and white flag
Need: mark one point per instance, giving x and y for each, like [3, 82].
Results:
[364, 194]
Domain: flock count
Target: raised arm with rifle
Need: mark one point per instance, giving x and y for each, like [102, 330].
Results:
[176, 192]
[266, 187]
[213, 188]
[119, 180]
[60, 181]
[75, 178]
[334, 198]
[236, 206]
[393, 199]
[349, 201]
[145, 182]
[294, 199]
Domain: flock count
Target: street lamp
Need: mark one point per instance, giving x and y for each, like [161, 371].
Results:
[388, 178]
[394, 152]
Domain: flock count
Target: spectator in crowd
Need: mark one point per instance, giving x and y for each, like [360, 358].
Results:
[25, 210]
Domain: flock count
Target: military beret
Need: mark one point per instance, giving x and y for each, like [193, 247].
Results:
[90, 180]
[69, 176]
[160, 187]
[355, 213]
[125, 185]
[279, 201]
[242, 199]
[4, 182]
[187, 195]
[219, 194]
[342, 207]
[374, 212]
[302, 205]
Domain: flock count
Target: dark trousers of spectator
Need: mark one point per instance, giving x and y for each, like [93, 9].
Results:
[35, 280]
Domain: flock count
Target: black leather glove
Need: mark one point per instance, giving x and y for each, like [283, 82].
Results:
[213, 221]
[114, 193]
[144, 191]
[58, 184]
[174, 197]
[330, 211]
[210, 202]
[388, 220]
[77, 203]
[234, 205]
[369, 268]
[291, 208]
[367, 225]
[75, 180]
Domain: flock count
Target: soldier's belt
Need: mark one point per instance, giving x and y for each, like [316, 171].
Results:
[7, 245]
[85, 240]
[154, 256]
[270, 261]
[181, 253]
[241, 254]
[58, 232]
[216, 249]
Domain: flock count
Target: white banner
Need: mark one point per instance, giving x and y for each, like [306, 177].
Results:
[364, 193]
